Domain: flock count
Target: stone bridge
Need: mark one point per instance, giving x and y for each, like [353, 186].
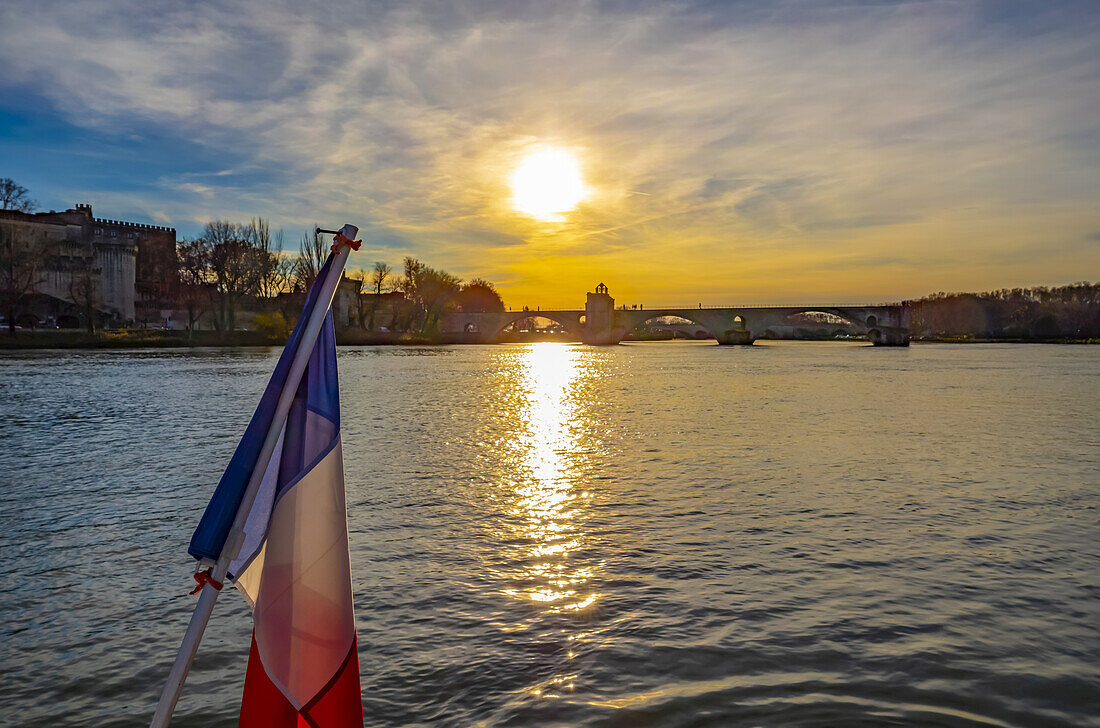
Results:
[601, 323]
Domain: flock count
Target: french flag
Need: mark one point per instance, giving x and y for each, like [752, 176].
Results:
[293, 566]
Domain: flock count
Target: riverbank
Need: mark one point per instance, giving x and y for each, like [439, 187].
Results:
[972, 340]
[154, 339]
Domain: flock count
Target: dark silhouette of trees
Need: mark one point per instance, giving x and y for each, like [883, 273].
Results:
[378, 276]
[231, 264]
[22, 253]
[408, 281]
[15, 196]
[479, 296]
[312, 253]
[275, 270]
[240, 262]
[24, 256]
[229, 269]
[1064, 312]
[431, 293]
[195, 288]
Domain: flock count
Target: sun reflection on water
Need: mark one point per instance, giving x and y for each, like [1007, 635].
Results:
[549, 495]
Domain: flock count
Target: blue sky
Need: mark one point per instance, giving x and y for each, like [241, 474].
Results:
[734, 152]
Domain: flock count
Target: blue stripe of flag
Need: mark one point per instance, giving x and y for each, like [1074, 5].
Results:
[213, 529]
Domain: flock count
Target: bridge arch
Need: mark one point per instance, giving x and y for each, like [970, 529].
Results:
[569, 322]
[836, 321]
[638, 319]
[844, 321]
[846, 316]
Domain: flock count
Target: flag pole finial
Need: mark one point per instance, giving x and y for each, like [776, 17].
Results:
[343, 236]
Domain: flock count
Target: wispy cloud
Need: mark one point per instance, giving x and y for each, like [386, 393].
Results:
[769, 142]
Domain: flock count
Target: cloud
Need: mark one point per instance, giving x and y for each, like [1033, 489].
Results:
[761, 136]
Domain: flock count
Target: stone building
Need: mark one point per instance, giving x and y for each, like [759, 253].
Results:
[132, 265]
[354, 308]
[380, 312]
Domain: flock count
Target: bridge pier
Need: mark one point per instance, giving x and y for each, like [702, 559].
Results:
[599, 319]
[889, 337]
[737, 338]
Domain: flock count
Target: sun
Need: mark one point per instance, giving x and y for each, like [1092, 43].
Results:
[547, 184]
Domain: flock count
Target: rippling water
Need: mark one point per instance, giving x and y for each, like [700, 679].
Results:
[667, 534]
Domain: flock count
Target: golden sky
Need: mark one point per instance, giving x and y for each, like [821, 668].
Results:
[744, 152]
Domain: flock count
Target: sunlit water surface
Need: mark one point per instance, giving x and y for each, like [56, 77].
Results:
[671, 534]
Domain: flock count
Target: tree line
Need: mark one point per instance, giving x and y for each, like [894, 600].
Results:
[230, 265]
[1061, 312]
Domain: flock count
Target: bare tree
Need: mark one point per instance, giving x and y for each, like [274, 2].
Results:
[14, 196]
[23, 259]
[273, 271]
[239, 261]
[229, 268]
[378, 278]
[412, 272]
[312, 253]
[194, 269]
[278, 276]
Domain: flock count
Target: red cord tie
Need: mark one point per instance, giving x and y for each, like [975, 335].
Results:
[204, 578]
[341, 240]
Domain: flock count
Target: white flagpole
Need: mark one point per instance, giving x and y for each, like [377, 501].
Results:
[235, 539]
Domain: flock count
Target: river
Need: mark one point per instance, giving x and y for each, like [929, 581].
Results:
[650, 534]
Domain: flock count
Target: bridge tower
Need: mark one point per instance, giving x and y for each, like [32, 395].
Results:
[599, 315]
